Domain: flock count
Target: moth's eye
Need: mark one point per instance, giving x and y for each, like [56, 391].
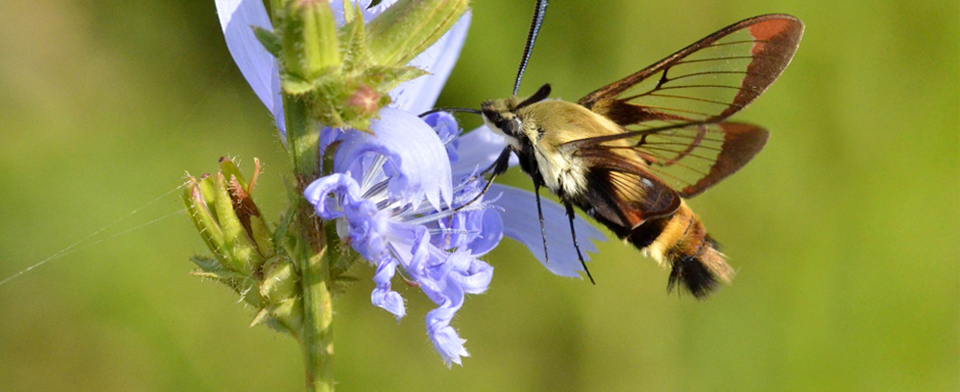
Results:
[511, 126]
[516, 125]
[492, 116]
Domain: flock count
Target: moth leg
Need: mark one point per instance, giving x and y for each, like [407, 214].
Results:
[537, 183]
[573, 230]
[499, 166]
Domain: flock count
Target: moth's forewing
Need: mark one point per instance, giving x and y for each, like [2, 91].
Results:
[706, 81]
[671, 111]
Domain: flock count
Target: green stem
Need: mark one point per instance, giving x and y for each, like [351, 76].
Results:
[316, 338]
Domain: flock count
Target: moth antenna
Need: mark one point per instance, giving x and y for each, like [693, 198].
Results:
[538, 96]
[538, 12]
[454, 109]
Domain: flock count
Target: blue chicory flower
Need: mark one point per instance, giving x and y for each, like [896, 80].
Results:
[393, 194]
[436, 247]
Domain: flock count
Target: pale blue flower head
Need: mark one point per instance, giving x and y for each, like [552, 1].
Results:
[395, 225]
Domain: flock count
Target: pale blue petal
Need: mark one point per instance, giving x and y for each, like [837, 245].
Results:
[422, 255]
[419, 95]
[523, 225]
[416, 160]
[328, 136]
[481, 147]
[447, 343]
[478, 228]
[368, 12]
[237, 19]
[460, 274]
[335, 184]
[447, 128]
[367, 227]
[476, 278]
[491, 232]
[383, 296]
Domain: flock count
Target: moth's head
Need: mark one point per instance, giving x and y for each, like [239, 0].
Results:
[501, 117]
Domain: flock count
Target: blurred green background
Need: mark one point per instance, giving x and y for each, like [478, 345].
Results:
[845, 231]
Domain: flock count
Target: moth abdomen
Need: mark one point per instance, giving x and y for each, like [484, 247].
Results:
[692, 255]
[679, 241]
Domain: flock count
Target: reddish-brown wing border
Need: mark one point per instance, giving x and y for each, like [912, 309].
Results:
[777, 37]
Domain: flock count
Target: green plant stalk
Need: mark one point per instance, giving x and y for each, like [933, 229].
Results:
[316, 338]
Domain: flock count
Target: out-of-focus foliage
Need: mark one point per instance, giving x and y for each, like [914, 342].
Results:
[845, 230]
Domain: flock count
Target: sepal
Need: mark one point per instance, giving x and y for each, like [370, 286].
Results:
[409, 27]
[270, 40]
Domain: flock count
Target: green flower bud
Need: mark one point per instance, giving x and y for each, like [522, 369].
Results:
[228, 220]
[310, 47]
[246, 259]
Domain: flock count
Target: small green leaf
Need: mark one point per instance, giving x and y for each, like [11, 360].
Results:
[353, 45]
[229, 168]
[204, 220]
[280, 280]
[286, 316]
[350, 10]
[259, 318]
[269, 40]
[386, 78]
[207, 264]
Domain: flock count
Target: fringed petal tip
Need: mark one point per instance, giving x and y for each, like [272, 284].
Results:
[390, 301]
[383, 296]
[448, 344]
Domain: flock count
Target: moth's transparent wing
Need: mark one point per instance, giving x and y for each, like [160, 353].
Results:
[707, 81]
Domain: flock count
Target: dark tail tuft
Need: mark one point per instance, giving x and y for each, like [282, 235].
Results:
[694, 275]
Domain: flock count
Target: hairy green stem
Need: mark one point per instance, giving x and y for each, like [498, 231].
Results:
[316, 338]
